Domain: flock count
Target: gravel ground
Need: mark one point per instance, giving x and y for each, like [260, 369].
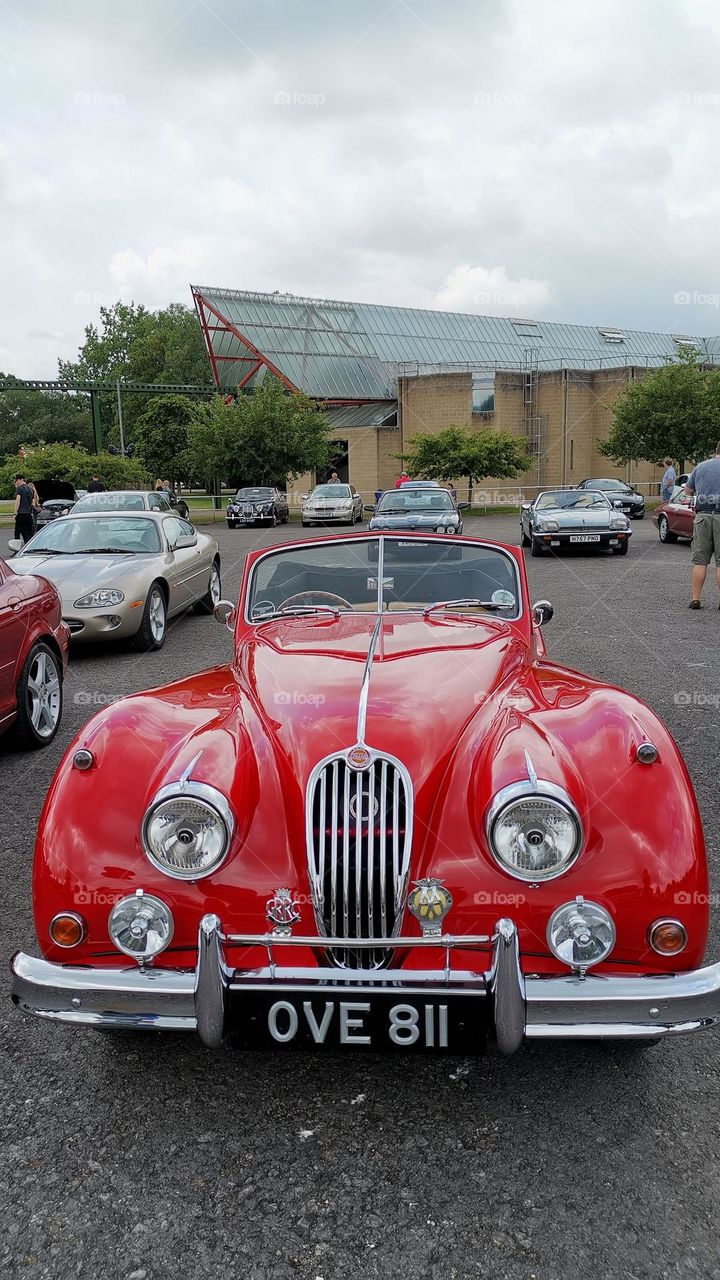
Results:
[149, 1157]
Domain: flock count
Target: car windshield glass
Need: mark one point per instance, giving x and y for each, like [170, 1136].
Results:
[331, 491]
[254, 493]
[402, 500]
[111, 502]
[615, 486]
[570, 499]
[72, 536]
[416, 573]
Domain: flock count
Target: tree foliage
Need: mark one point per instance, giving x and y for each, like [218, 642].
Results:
[262, 438]
[28, 416]
[673, 411]
[161, 436]
[74, 464]
[460, 451]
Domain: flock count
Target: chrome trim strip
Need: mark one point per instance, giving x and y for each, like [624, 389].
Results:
[365, 684]
[440, 942]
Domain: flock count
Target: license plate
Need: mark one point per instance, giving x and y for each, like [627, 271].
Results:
[584, 537]
[374, 1020]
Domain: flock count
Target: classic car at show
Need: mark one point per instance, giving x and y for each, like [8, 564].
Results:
[124, 575]
[163, 500]
[390, 821]
[675, 519]
[618, 491]
[57, 498]
[426, 508]
[332, 504]
[259, 504]
[34, 644]
[572, 518]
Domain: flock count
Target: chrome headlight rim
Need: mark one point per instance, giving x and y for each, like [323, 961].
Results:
[207, 795]
[590, 908]
[541, 790]
[161, 909]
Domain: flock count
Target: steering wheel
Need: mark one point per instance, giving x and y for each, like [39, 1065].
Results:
[303, 595]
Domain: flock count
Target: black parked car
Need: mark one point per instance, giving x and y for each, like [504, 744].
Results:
[426, 507]
[633, 503]
[57, 497]
[261, 504]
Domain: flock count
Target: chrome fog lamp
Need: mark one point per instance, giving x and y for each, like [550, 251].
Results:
[186, 831]
[534, 831]
[141, 925]
[581, 933]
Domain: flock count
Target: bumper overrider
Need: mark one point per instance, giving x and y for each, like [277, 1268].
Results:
[210, 999]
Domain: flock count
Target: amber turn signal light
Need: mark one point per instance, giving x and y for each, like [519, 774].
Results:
[67, 929]
[668, 937]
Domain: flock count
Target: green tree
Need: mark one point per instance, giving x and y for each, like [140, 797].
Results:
[673, 411]
[161, 436]
[27, 416]
[263, 438]
[74, 464]
[460, 451]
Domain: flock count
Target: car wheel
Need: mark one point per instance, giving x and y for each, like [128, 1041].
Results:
[273, 519]
[620, 551]
[286, 517]
[207, 603]
[39, 698]
[153, 629]
[231, 524]
[305, 523]
[665, 533]
[535, 548]
[639, 515]
[524, 540]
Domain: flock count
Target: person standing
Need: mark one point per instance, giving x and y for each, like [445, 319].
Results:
[96, 485]
[667, 484]
[24, 524]
[704, 484]
[35, 499]
[402, 478]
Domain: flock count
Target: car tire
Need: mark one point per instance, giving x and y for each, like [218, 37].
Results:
[524, 540]
[621, 551]
[153, 629]
[665, 533]
[305, 524]
[285, 518]
[231, 524]
[41, 675]
[640, 515]
[206, 603]
[535, 549]
[273, 519]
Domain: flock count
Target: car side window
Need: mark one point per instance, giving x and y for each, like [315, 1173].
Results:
[175, 529]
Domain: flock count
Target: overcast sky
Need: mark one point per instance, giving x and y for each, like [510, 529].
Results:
[547, 159]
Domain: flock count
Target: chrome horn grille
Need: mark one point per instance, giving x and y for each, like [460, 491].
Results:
[359, 833]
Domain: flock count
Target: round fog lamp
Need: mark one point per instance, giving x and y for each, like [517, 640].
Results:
[67, 929]
[667, 937]
[140, 925]
[581, 933]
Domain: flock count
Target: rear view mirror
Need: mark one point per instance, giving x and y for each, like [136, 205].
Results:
[367, 506]
[542, 612]
[185, 540]
[15, 544]
[225, 611]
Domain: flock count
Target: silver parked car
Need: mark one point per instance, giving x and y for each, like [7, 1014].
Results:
[332, 503]
[134, 500]
[124, 574]
[573, 517]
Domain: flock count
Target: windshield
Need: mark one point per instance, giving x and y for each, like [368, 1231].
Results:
[331, 491]
[570, 498]
[112, 502]
[416, 500]
[71, 536]
[416, 574]
[254, 493]
[615, 486]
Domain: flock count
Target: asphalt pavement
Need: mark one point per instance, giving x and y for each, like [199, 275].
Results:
[149, 1157]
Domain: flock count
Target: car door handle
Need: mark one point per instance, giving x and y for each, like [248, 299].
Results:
[16, 603]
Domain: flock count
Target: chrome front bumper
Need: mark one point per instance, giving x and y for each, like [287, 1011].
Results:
[567, 1007]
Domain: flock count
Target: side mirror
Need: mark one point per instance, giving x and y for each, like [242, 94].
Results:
[304, 497]
[542, 612]
[185, 540]
[525, 506]
[367, 506]
[15, 544]
[226, 612]
[463, 506]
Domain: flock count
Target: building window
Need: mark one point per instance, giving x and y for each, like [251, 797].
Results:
[483, 393]
[612, 335]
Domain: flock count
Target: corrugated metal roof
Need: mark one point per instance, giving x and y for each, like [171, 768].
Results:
[355, 350]
[363, 415]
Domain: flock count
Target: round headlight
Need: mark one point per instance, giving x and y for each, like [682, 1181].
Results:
[141, 925]
[186, 831]
[581, 933]
[534, 835]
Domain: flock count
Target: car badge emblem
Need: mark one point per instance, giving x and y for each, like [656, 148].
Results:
[282, 911]
[429, 901]
[358, 757]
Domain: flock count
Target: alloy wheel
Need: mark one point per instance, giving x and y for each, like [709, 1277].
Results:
[44, 695]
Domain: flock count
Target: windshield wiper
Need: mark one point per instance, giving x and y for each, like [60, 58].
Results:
[491, 605]
[104, 551]
[298, 610]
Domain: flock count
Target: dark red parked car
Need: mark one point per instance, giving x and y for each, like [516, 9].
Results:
[34, 643]
[675, 519]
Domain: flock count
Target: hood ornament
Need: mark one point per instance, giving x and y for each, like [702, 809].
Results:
[429, 901]
[283, 912]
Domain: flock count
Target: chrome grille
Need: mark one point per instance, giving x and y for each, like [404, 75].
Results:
[359, 832]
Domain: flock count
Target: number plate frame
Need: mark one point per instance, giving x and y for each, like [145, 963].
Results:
[585, 537]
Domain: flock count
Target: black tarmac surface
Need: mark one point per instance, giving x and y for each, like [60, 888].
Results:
[148, 1157]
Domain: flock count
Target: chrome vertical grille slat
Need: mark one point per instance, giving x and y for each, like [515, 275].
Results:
[367, 815]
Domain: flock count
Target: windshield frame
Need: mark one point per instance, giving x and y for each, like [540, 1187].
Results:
[382, 539]
[600, 500]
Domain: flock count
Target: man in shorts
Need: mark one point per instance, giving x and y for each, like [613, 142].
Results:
[704, 484]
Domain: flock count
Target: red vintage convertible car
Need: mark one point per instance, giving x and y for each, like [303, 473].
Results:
[34, 643]
[390, 821]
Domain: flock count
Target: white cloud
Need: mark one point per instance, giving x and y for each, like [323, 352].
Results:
[490, 291]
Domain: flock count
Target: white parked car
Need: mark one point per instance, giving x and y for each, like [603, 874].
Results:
[332, 503]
